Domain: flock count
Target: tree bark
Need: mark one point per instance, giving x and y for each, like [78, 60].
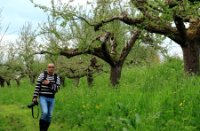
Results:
[18, 82]
[90, 78]
[8, 82]
[62, 81]
[191, 57]
[2, 82]
[115, 74]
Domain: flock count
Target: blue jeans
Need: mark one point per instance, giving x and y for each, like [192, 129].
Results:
[47, 106]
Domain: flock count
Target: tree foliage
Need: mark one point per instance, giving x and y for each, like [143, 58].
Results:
[111, 44]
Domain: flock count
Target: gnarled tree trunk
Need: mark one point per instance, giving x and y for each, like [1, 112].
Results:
[90, 78]
[8, 82]
[191, 57]
[2, 82]
[17, 82]
[115, 74]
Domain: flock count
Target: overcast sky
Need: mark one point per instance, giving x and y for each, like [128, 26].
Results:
[16, 13]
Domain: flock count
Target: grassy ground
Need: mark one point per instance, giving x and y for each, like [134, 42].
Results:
[157, 98]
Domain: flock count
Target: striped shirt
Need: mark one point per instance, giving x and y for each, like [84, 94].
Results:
[46, 90]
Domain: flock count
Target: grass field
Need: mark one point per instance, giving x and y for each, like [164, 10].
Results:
[156, 98]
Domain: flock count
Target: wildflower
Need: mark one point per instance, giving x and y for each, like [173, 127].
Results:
[97, 106]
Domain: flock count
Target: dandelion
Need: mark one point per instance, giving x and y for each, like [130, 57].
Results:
[97, 106]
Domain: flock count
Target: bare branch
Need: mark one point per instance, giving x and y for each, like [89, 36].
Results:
[101, 52]
[128, 46]
[85, 20]
[1, 39]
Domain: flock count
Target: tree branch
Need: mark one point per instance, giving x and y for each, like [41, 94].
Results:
[72, 52]
[101, 52]
[127, 20]
[43, 52]
[180, 27]
[4, 33]
[128, 46]
[152, 27]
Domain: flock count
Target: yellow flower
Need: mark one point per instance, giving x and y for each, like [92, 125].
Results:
[83, 106]
[97, 106]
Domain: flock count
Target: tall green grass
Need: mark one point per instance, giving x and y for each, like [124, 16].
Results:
[156, 98]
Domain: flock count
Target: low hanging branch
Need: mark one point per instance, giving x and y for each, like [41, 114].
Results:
[99, 51]
[103, 53]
